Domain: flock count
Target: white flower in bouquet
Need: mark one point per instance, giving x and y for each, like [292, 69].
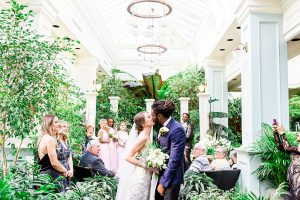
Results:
[112, 135]
[155, 158]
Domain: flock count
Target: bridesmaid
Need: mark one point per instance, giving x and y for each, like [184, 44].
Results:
[63, 151]
[105, 141]
[113, 146]
[123, 136]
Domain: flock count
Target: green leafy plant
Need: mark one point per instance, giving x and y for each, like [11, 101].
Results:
[235, 121]
[185, 84]
[273, 162]
[25, 182]
[98, 187]
[129, 103]
[294, 111]
[33, 80]
[195, 183]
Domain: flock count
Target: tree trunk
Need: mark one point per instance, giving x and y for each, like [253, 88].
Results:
[3, 138]
[18, 152]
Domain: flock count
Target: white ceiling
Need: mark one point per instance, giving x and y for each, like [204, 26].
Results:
[176, 31]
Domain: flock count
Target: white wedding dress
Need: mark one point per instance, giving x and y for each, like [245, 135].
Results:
[135, 183]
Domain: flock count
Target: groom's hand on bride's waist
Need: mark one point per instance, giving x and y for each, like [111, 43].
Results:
[161, 189]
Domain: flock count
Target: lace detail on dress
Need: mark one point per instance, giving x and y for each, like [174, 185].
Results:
[140, 184]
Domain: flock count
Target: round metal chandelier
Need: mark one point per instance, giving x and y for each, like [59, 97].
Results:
[149, 8]
[152, 49]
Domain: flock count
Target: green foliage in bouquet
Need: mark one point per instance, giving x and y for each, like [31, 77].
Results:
[273, 162]
[32, 78]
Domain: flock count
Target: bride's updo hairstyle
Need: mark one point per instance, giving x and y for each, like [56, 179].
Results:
[165, 108]
[139, 120]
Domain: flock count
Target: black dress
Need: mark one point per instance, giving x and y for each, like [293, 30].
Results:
[63, 154]
[46, 167]
[293, 173]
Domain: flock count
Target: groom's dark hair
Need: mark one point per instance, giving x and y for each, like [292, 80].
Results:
[165, 107]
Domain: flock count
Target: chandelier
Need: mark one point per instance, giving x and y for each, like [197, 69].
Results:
[149, 8]
[152, 49]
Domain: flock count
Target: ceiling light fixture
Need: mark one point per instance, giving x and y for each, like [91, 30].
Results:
[149, 8]
[152, 49]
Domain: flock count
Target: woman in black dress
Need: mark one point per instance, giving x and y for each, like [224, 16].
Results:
[64, 156]
[293, 173]
[47, 148]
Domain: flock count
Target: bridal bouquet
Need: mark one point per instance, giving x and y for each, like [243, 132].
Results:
[112, 135]
[155, 158]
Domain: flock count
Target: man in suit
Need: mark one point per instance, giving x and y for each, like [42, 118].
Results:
[172, 142]
[189, 138]
[91, 160]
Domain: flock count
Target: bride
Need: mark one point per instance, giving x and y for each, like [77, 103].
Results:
[135, 177]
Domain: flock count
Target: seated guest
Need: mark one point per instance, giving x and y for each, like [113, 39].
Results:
[90, 135]
[201, 162]
[233, 161]
[91, 160]
[220, 161]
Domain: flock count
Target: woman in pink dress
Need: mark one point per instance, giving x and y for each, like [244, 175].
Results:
[113, 145]
[105, 141]
[123, 136]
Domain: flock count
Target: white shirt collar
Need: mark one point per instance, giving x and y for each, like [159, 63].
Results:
[166, 122]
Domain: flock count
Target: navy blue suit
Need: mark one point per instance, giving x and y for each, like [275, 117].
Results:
[173, 143]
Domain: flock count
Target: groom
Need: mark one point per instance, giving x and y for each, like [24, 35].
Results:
[173, 143]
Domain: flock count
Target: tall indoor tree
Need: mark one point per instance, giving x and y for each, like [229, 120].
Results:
[31, 74]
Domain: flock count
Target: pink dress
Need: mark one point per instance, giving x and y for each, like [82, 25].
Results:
[113, 154]
[105, 150]
[123, 136]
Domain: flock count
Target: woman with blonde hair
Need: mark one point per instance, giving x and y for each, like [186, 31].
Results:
[47, 148]
[63, 151]
[105, 141]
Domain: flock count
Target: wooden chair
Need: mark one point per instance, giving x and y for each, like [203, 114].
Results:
[82, 172]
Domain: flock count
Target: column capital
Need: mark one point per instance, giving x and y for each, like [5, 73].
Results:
[245, 8]
[149, 100]
[199, 95]
[114, 98]
[184, 98]
[91, 93]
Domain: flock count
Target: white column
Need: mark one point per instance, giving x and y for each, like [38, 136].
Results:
[264, 85]
[91, 98]
[84, 74]
[184, 106]
[217, 87]
[114, 103]
[149, 103]
[203, 114]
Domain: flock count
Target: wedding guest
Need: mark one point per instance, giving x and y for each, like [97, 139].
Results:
[122, 137]
[90, 159]
[113, 145]
[47, 148]
[63, 151]
[90, 135]
[105, 141]
[111, 123]
[201, 162]
[220, 161]
[233, 159]
[189, 138]
[293, 172]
